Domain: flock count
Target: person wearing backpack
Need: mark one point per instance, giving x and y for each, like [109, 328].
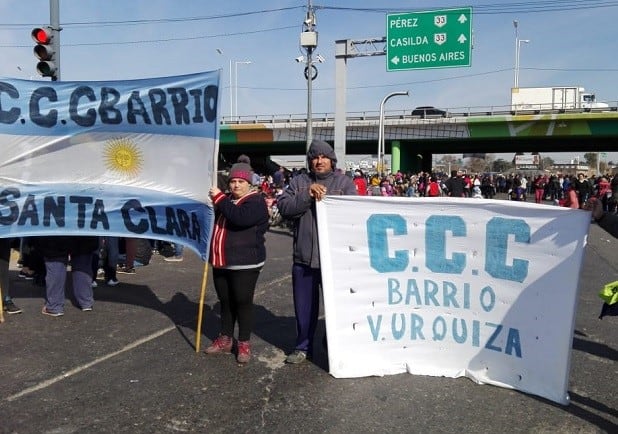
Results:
[433, 188]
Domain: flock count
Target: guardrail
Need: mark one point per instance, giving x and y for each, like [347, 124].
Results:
[407, 114]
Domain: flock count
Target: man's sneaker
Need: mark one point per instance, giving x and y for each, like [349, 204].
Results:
[223, 344]
[174, 259]
[244, 352]
[44, 311]
[94, 284]
[125, 270]
[24, 275]
[112, 282]
[87, 309]
[296, 357]
[10, 307]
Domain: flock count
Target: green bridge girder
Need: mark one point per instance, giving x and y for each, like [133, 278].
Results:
[416, 140]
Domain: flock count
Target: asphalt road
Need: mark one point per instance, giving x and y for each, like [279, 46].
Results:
[131, 366]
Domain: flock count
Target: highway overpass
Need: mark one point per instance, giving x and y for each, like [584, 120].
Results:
[412, 140]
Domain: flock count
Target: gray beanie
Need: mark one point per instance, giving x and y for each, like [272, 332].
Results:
[319, 147]
[242, 169]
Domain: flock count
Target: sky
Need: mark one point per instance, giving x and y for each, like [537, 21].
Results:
[572, 43]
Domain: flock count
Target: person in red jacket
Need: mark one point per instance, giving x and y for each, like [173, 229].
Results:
[361, 183]
[237, 255]
[433, 188]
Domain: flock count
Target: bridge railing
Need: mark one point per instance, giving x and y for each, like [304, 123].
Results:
[412, 113]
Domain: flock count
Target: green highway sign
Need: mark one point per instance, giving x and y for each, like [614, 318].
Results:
[429, 39]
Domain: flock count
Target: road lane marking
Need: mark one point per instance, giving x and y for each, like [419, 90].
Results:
[128, 347]
[81, 368]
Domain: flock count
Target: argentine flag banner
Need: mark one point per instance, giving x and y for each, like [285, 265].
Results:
[110, 158]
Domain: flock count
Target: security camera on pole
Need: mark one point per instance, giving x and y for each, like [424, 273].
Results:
[309, 41]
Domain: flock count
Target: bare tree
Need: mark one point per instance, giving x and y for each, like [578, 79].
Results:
[591, 159]
[476, 165]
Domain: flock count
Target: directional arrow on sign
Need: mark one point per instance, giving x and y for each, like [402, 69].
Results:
[462, 19]
[462, 39]
[395, 60]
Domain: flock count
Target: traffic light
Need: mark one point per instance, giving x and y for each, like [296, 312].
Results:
[44, 51]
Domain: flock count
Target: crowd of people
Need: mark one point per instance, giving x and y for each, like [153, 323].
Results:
[243, 213]
[558, 189]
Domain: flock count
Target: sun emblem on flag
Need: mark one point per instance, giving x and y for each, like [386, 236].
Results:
[123, 156]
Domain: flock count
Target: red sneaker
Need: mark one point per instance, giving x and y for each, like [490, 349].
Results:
[244, 352]
[223, 344]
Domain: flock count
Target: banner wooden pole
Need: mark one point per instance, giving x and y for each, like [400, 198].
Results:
[4, 268]
[1, 306]
[198, 328]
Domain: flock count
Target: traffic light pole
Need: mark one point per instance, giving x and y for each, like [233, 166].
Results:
[54, 23]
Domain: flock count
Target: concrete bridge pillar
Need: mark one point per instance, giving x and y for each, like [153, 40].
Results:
[395, 156]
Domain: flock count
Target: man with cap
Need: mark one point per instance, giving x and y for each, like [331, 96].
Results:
[298, 204]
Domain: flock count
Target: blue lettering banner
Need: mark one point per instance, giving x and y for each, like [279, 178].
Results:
[452, 287]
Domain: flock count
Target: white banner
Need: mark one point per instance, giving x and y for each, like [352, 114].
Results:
[452, 287]
[125, 158]
[529, 160]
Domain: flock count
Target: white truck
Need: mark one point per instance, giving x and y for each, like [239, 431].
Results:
[553, 98]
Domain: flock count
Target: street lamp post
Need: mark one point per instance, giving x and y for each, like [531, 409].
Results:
[381, 149]
[230, 83]
[236, 63]
[518, 43]
[516, 79]
[231, 92]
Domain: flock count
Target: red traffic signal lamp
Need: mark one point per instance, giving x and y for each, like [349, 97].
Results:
[44, 51]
